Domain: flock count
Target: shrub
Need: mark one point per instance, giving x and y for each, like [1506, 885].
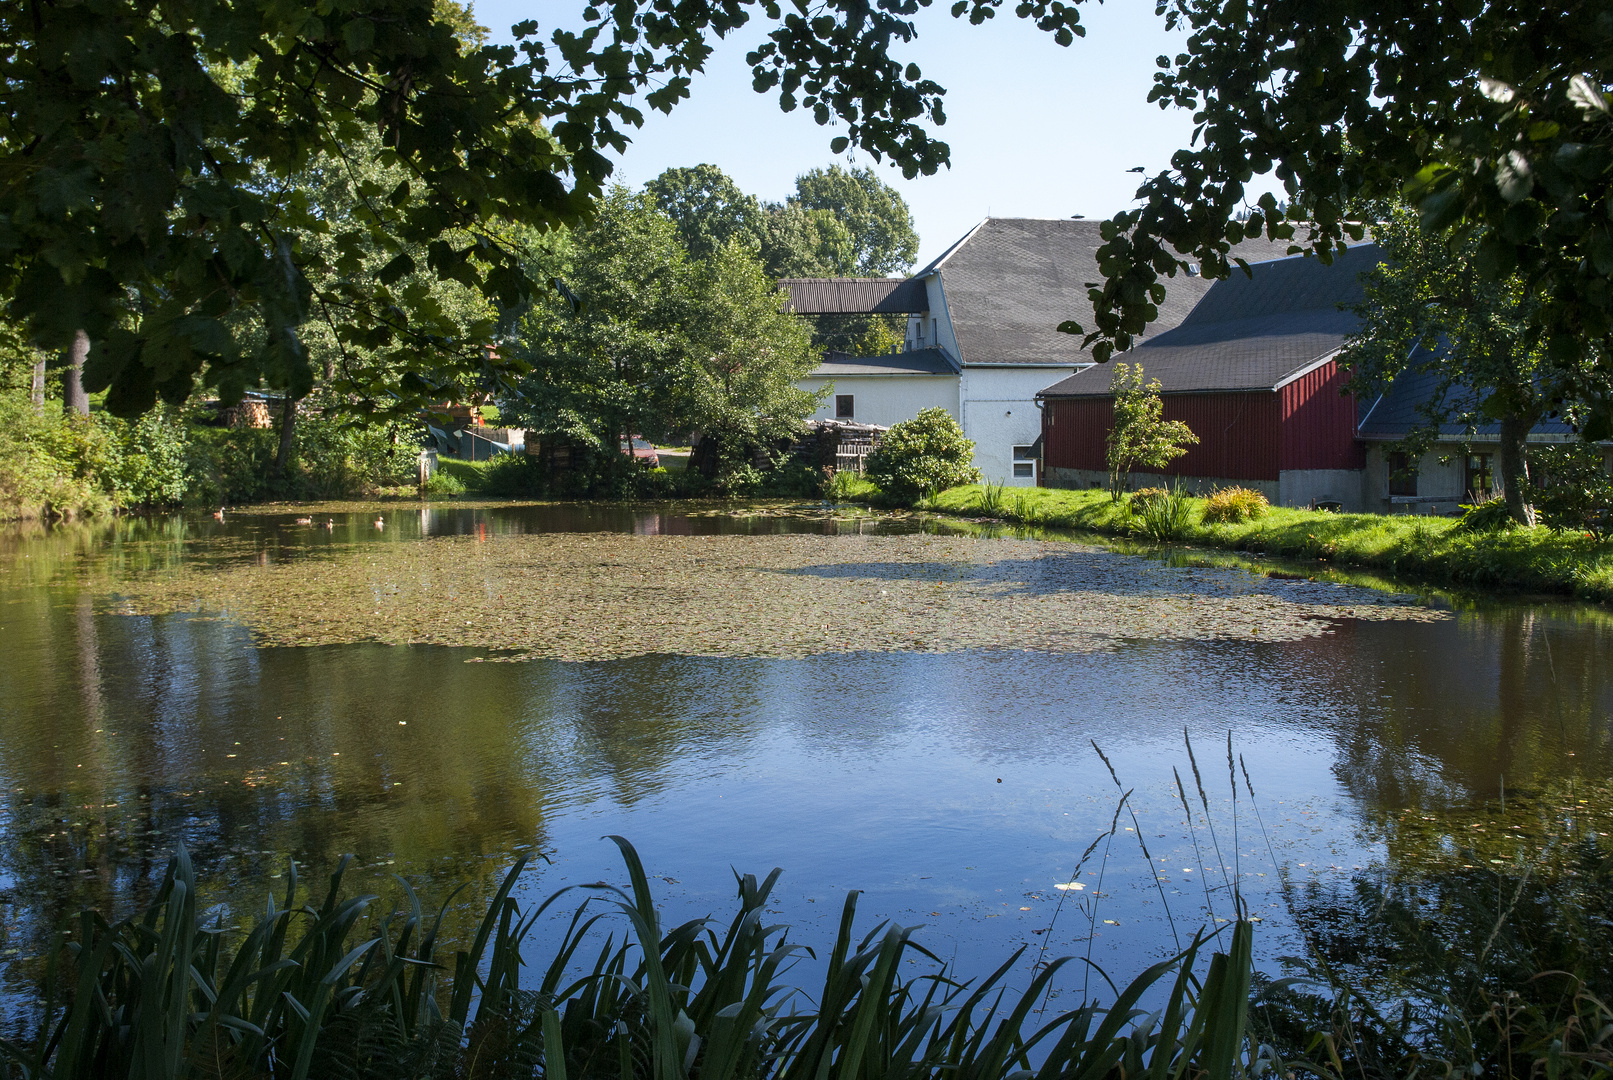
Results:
[442, 482]
[1232, 505]
[923, 455]
[1575, 493]
[1143, 496]
[53, 464]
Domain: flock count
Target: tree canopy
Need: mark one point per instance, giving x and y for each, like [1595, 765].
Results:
[149, 150]
[876, 217]
[1490, 116]
[665, 346]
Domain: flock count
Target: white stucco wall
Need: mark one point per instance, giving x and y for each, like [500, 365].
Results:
[999, 413]
[886, 399]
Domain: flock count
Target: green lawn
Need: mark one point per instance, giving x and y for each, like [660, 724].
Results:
[1427, 548]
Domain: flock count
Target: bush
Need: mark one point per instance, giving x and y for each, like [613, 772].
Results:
[51, 464]
[1140, 498]
[1232, 505]
[1574, 491]
[443, 482]
[923, 455]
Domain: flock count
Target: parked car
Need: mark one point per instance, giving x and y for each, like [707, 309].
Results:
[641, 450]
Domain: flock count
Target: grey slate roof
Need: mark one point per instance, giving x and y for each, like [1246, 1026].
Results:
[1011, 281]
[1395, 414]
[1248, 332]
[844, 296]
[916, 362]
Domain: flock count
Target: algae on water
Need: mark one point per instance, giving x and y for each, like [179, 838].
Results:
[602, 596]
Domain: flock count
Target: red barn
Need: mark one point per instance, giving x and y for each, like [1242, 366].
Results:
[1253, 371]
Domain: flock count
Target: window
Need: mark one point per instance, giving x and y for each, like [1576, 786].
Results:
[1479, 480]
[1025, 462]
[845, 407]
[1402, 475]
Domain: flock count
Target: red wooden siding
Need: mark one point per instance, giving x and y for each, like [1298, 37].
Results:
[1238, 434]
[1318, 422]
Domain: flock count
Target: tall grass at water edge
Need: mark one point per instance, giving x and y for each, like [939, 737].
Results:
[331, 990]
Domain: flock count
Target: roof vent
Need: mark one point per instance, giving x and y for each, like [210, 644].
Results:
[1192, 269]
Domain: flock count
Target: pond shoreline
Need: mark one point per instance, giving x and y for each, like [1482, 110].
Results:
[1424, 550]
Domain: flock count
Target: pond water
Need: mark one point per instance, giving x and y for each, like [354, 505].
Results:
[901, 706]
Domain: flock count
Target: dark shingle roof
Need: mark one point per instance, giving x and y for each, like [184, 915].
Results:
[917, 362]
[848, 296]
[1248, 332]
[1011, 281]
[1396, 413]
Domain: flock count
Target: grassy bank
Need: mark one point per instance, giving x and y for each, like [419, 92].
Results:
[1429, 549]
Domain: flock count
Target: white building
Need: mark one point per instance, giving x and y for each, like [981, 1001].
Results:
[981, 334]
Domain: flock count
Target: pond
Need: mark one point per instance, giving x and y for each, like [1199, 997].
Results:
[903, 706]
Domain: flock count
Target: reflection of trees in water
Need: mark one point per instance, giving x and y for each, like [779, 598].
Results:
[631, 720]
[1518, 692]
[125, 736]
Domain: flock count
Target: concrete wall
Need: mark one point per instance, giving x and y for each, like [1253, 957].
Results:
[1293, 487]
[1195, 485]
[999, 413]
[1307, 487]
[1441, 482]
[887, 399]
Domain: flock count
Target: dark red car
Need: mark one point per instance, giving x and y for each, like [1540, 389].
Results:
[641, 450]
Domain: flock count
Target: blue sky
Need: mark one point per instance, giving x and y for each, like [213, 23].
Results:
[1036, 130]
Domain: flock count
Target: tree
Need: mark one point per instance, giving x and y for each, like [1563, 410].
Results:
[147, 151]
[1491, 116]
[875, 215]
[707, 207]
[1141, 435]
[1429, 310]
[922, 456]
[662, 344]
[742, 359]
[603, 370]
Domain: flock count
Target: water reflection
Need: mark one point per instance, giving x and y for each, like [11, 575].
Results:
[955, 788]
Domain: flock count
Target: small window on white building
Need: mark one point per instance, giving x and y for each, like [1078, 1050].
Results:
[1025, 462]
[845, 406]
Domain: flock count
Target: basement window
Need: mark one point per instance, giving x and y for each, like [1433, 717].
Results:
[1025, 462]
[845, 406]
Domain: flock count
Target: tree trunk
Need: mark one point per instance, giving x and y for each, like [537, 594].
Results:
[74, 399]
[39, 383]
[1514, 466]
[288, 429]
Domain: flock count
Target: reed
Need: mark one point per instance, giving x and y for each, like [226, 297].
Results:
[316, 991]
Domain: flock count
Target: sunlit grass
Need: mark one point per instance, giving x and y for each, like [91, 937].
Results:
[1431, 548]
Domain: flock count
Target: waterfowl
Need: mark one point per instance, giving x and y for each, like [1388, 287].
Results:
[305, 521]
[330, 523]
[218, 515]
[380, 523]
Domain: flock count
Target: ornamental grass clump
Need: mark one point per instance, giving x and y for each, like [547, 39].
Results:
[1229, 506]
[1162, 515]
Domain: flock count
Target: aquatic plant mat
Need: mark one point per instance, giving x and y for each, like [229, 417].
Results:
[599, 596]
